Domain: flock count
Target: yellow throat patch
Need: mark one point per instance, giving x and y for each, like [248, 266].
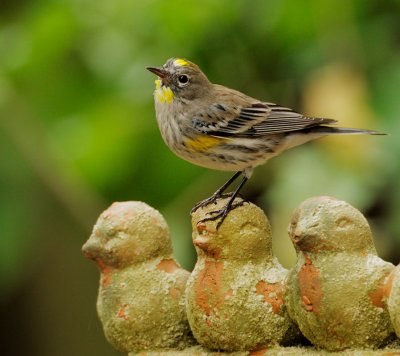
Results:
[163, 94]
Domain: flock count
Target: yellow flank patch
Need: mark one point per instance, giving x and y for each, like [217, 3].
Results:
[203, 143]
[163, 94]
[181, 62]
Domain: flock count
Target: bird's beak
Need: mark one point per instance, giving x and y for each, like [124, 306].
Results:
[161, 72]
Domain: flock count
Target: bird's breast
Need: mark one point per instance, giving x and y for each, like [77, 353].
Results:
[168, 120]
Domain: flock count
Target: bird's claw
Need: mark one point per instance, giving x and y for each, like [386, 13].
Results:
[211, 200]
[221, 213]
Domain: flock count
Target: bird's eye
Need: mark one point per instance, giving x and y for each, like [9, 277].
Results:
[183, 80]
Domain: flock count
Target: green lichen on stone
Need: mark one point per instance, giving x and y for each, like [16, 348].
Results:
[335, 291]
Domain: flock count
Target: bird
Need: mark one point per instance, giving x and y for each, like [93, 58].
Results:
[220, 128]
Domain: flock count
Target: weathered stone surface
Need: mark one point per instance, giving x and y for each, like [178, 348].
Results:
[191, 351]
[393, 302]
[336, 290]
[274, 351]
[234, 296]
[141, 294]
[339, 292]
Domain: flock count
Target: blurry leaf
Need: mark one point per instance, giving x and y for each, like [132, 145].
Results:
[49, 31]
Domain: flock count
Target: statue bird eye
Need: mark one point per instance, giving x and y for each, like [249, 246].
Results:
[183, 80]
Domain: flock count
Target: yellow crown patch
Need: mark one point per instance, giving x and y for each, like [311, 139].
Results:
[181, 62]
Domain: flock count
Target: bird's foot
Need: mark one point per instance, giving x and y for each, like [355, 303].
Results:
[211, 200]
[222, 213]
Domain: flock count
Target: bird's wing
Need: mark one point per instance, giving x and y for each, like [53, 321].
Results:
[257, 119]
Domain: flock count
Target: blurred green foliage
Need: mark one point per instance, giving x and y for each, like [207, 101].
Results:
[77, 132]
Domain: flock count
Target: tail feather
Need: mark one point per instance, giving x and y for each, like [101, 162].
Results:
[327, 130]
[302, 136]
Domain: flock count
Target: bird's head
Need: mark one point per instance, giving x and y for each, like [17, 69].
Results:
[179, 78]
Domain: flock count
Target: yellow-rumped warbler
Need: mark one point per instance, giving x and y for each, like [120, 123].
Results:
[220, 128]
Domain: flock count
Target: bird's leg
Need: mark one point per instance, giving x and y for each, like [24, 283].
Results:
[218, 194]
[222, 213]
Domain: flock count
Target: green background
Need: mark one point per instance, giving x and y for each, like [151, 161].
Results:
[78, 131]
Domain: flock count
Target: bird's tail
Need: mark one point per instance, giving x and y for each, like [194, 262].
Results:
[311, 133]
[328, 130]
